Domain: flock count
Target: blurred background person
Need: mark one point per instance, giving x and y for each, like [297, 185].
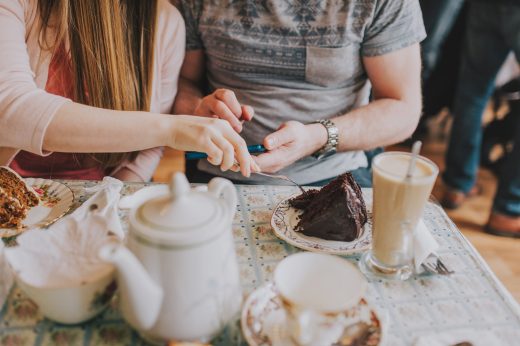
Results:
[492, 32]
[444, 21]
[439, 18]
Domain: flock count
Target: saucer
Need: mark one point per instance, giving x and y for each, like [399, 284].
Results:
[285, 219]
[263, 320]
[55, 201]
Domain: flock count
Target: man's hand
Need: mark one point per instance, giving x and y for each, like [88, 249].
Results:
[291, 142]
[223, 104]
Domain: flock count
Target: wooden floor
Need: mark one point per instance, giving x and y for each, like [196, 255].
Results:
[502, 254]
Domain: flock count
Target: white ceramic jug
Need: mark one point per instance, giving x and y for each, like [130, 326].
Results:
[178, 278]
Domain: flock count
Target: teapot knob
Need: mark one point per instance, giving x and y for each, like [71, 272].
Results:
[179, 186]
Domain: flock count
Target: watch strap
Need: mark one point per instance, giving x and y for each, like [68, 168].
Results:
[332, 139]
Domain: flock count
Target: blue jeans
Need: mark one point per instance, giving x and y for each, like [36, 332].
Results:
[439, 17]
[492, 32]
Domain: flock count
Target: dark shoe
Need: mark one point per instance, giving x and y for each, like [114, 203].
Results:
[503, 225]
[453, 198]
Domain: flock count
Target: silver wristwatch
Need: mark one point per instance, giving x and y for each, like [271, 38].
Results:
[331, 146]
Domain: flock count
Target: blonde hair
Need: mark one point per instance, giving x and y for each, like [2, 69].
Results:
[111, 49]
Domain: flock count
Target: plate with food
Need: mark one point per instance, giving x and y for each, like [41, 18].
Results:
[264, 321]
[30, 203]
[333, 219]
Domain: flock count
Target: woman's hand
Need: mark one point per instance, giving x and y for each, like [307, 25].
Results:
[291, 142]
[214, 137]
[223, 104]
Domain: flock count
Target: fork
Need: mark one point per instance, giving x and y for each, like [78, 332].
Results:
[284, 177]
[435, 266]
[275, 176]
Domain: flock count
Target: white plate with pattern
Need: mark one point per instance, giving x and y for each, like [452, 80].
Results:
[55, 201]
[263, 320]
[285, 219]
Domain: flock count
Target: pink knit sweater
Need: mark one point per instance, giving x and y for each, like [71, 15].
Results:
[26, 109]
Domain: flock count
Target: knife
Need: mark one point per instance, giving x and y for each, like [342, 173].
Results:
[195, 155]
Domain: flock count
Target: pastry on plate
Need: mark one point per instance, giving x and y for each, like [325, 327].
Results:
[336, 212]
[16, 198]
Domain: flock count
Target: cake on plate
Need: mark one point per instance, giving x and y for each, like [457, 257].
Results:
[336, 212]
[16, 198]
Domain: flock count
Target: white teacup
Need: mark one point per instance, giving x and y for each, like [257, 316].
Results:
[316, 291]
[73, 304]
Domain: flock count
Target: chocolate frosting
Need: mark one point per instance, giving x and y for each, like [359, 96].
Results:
[336, 212]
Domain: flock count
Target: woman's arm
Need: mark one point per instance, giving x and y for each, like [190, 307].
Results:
[36, 121]
[25, 110]
[77, 128]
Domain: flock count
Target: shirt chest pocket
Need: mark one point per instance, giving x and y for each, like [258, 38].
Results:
[332, 67]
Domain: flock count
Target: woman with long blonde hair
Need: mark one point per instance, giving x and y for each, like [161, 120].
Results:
[86, 89]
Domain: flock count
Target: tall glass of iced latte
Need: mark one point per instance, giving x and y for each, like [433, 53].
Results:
[398, 204]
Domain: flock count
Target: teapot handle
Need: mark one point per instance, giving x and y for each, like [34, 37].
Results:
[223, 187]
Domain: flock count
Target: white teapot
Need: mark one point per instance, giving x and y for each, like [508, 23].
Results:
[179, 277]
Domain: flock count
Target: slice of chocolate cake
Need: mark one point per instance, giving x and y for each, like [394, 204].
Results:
[16, 197]
[336, 212]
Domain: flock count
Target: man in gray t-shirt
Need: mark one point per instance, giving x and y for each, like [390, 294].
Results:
[296, 62]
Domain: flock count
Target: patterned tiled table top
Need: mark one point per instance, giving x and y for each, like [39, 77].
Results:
[471, 299]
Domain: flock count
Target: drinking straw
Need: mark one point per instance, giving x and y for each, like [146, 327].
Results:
[416, 148]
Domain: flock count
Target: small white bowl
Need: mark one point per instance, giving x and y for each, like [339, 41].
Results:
[75, 304]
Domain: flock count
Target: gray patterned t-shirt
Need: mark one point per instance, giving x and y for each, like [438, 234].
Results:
[298, 60]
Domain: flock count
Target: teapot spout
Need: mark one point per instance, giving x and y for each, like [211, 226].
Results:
[141, 298]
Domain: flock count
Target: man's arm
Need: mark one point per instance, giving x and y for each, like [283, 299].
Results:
[396, 109]
[221, 104]
[390, 118]
[189, 95]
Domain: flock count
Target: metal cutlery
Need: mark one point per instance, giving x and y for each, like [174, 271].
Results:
[253, 149]
[283, 177]
[434, 265]
[276, 176]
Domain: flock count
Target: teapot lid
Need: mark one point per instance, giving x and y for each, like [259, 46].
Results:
[181, 210]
